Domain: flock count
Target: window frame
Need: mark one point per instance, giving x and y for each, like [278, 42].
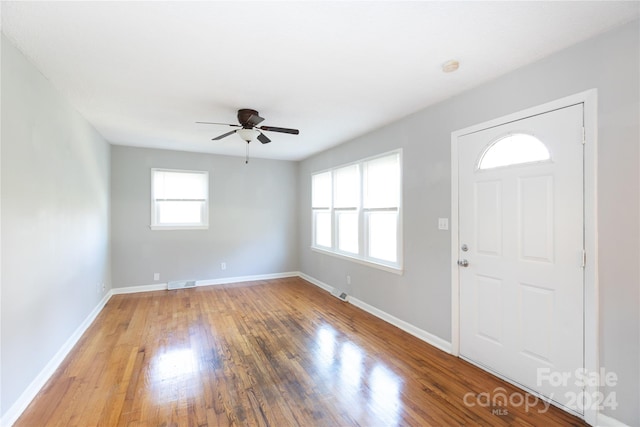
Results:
[203, 225]
[362, 257]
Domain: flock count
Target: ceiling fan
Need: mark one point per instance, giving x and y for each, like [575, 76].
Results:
[248, 128]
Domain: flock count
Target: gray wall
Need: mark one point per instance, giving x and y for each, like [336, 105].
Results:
[252, 219]
[55, 222]
[422, 296]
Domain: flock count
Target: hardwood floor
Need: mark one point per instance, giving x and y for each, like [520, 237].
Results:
[269, 353]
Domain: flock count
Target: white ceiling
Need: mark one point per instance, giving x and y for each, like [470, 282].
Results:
[143, 72]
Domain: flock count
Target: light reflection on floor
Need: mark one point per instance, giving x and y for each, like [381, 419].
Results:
[326, 342]
[177, 363]
[351, 368]
[384, 399]
[353, 376]
[173, 375]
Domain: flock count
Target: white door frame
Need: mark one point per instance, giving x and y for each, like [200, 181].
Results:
[589, 99]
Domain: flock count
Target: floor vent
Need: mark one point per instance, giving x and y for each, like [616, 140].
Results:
[340, 294]
[181, 284]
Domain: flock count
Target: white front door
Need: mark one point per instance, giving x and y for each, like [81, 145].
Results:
[521, 241]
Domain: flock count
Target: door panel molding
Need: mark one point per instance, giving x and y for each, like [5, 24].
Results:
[589, 100]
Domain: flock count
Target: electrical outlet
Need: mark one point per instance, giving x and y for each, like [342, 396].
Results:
[156, 276]
[103, 287]
[348, 279]
[223, 266]
[443, 223]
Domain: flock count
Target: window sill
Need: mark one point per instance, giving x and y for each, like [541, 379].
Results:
[395, 270]
[178, 227]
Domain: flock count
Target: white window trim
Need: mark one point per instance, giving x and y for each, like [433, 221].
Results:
[396, 268]
[159, 227]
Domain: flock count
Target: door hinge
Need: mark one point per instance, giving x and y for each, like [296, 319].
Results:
[584, 136]
[584, 258]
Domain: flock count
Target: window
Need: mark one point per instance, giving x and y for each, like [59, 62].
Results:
[179, 199]
[381, 205]
[321, 203]
[346, 200]
[514, 149]
[356, 210]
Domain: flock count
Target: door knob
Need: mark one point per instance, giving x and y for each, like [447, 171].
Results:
[463, 263]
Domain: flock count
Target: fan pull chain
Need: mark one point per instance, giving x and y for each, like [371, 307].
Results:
[246, 158]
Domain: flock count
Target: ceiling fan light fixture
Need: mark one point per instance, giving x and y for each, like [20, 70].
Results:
[247, 134]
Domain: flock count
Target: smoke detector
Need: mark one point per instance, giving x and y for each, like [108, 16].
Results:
[450, 66]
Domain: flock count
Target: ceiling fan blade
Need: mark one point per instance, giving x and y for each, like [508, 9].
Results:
[214, 123]
[281, 130]
[224, 135]
[254, 120]
[263, 138]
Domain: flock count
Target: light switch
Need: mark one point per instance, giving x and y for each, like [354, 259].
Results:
[443, 223]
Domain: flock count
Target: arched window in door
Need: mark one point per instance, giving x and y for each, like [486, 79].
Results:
[514, 149]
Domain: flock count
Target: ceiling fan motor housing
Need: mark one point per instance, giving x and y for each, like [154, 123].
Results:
[244, 116]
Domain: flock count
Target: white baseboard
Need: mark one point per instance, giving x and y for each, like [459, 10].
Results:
[140, 288]
[607, 421]
[240, 279]
[317, 282]
[205, 282]
[405, 326]
[14, 412]
[399, 323]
